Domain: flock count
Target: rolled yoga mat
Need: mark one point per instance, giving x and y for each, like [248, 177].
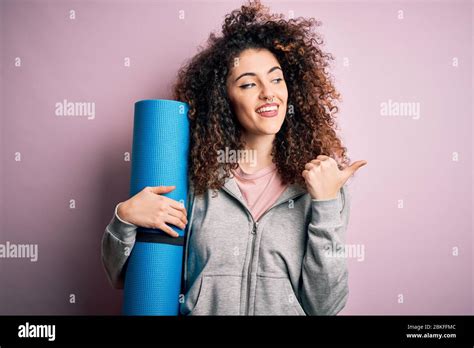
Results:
[159, 158]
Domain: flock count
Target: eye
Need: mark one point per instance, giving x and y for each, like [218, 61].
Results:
[246, 85]
[278, 79]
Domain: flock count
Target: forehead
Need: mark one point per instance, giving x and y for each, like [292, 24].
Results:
[254, 60]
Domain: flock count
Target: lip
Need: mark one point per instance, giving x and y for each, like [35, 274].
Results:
[272, 113]
[266, 105]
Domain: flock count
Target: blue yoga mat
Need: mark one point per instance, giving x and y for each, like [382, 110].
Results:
[159, 158]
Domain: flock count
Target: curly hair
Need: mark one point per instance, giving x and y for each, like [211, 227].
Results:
[309, 128]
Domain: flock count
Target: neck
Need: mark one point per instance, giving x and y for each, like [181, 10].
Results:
[259, 148]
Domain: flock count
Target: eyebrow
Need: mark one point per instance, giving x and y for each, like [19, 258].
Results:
[253, 74]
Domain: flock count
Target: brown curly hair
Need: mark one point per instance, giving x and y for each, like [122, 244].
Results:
[309, 129]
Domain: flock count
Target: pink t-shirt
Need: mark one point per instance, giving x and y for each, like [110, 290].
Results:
[260, 189]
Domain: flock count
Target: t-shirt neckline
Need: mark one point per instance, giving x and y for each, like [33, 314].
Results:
[258, 174]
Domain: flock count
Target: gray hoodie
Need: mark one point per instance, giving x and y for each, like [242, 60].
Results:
[289, 262]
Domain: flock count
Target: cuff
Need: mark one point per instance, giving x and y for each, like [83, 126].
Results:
[118, 217]
[327, 211]
[121, 229]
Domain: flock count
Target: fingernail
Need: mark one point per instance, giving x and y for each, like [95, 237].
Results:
[176, 235]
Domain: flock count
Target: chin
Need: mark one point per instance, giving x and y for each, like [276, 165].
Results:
[271, 130]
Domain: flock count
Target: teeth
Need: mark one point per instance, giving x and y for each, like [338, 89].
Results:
[268, 108]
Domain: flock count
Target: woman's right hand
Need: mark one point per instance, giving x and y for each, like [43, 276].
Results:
[149, 209]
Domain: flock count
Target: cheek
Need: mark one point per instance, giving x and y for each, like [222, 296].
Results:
[242, 112]
[244, 107]
[284, 93]
[245, 118]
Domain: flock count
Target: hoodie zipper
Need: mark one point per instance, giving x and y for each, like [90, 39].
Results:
[254, 237]
[253, 234]
[187, 237]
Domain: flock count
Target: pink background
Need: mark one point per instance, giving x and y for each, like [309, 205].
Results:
[408, 251]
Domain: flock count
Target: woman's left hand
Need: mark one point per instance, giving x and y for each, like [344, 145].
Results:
[324, 179]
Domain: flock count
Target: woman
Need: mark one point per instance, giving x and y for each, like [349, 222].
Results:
[263, 234]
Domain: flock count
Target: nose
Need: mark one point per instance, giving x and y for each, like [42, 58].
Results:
[267, 92]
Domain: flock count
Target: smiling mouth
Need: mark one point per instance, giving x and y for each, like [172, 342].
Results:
[268, 111]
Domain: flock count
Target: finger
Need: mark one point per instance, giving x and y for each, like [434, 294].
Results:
[354, 167]
[165, 228]
[175, 204]
[309, 165]
[179, 214]
[312, 164]
[304, 173]
[161, 189]
[316, 162]
[175, 221]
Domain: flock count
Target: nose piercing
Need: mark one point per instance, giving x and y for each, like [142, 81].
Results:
[270, 100]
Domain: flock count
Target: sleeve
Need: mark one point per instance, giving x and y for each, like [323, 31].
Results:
[324, 279]
[117, 243]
